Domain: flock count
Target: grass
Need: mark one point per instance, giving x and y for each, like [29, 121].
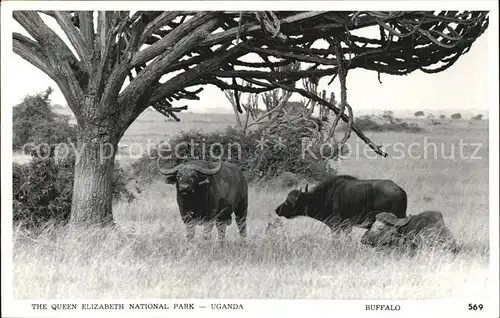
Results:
[150, 258]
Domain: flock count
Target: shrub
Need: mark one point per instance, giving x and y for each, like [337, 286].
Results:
[456, 116]
[257, 161]
[442, 116]
[477, 117]
[287, 179]
[35, 122]
[284, 153]
[195, 144]
[386, 122]
[419, 114]
[43, 188]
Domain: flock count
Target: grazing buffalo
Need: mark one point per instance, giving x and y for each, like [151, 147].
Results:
[343, 201]
[209, 193]
[413, 231]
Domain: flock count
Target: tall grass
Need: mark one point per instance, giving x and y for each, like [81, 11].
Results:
[149, 256]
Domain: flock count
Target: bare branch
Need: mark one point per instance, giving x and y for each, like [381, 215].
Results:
[289, 75]
[32, 52]
[153, 72]
[103, 30]
[74, 37]
[87, 28]
[157, 23]
[172, 38]
[231, 34]
[61, 59]
[232, 96]
[361, 135]
[43, 35]
[225, 86]
[167, 110]
[296, 57]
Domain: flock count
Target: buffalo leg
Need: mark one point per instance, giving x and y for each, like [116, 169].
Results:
[207, 231]
[190, 231]
[240, 214]
[241, 222]
[221, 231]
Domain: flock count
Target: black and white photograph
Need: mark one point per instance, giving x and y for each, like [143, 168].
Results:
[199, 162]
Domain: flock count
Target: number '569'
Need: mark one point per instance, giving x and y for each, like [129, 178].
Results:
[475, 307]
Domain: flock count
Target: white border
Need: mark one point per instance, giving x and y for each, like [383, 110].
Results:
[494, 159]
[453, 308]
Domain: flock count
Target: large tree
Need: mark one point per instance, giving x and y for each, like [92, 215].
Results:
[199, 48]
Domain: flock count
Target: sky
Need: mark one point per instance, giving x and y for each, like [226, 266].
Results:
[462, 87]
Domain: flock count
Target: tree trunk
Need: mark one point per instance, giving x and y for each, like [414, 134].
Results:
[94, 167]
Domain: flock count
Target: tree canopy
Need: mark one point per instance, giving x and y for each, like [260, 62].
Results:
[206, 48]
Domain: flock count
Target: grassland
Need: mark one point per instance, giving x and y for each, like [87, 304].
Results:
[149, 257]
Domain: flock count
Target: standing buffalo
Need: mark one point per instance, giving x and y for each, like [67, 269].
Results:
[343, 201]
[426, 228]
[208, 193]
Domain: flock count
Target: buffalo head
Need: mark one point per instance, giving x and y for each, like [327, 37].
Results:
[294, 204]
[384, 230]
[188, 176]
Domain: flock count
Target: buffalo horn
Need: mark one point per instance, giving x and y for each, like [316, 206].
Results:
[390, 218]
[167, 172]
[208, 171]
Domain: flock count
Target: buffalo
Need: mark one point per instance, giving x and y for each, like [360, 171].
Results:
[344, 201]
[207, 194]
[411, 232]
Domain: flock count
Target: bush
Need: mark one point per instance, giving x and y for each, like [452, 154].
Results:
[386, 122]
[456, 116]
[257, 162]
[288, 180]
[477, 117]
[35, 122]
[419, 114]
[195, 144]
[284, 153]
[43, 188]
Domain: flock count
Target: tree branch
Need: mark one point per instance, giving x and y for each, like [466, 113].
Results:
[43, 35]
[345, 118]
[156, 24]
[295, 57]
[108, 28]
[189, 77]
[225, 86]
[87, 29]
[32, 52]
[274, 75]
[172, 38]
[61, 59]
[153, 72]
[74, 36]
[231, 33]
